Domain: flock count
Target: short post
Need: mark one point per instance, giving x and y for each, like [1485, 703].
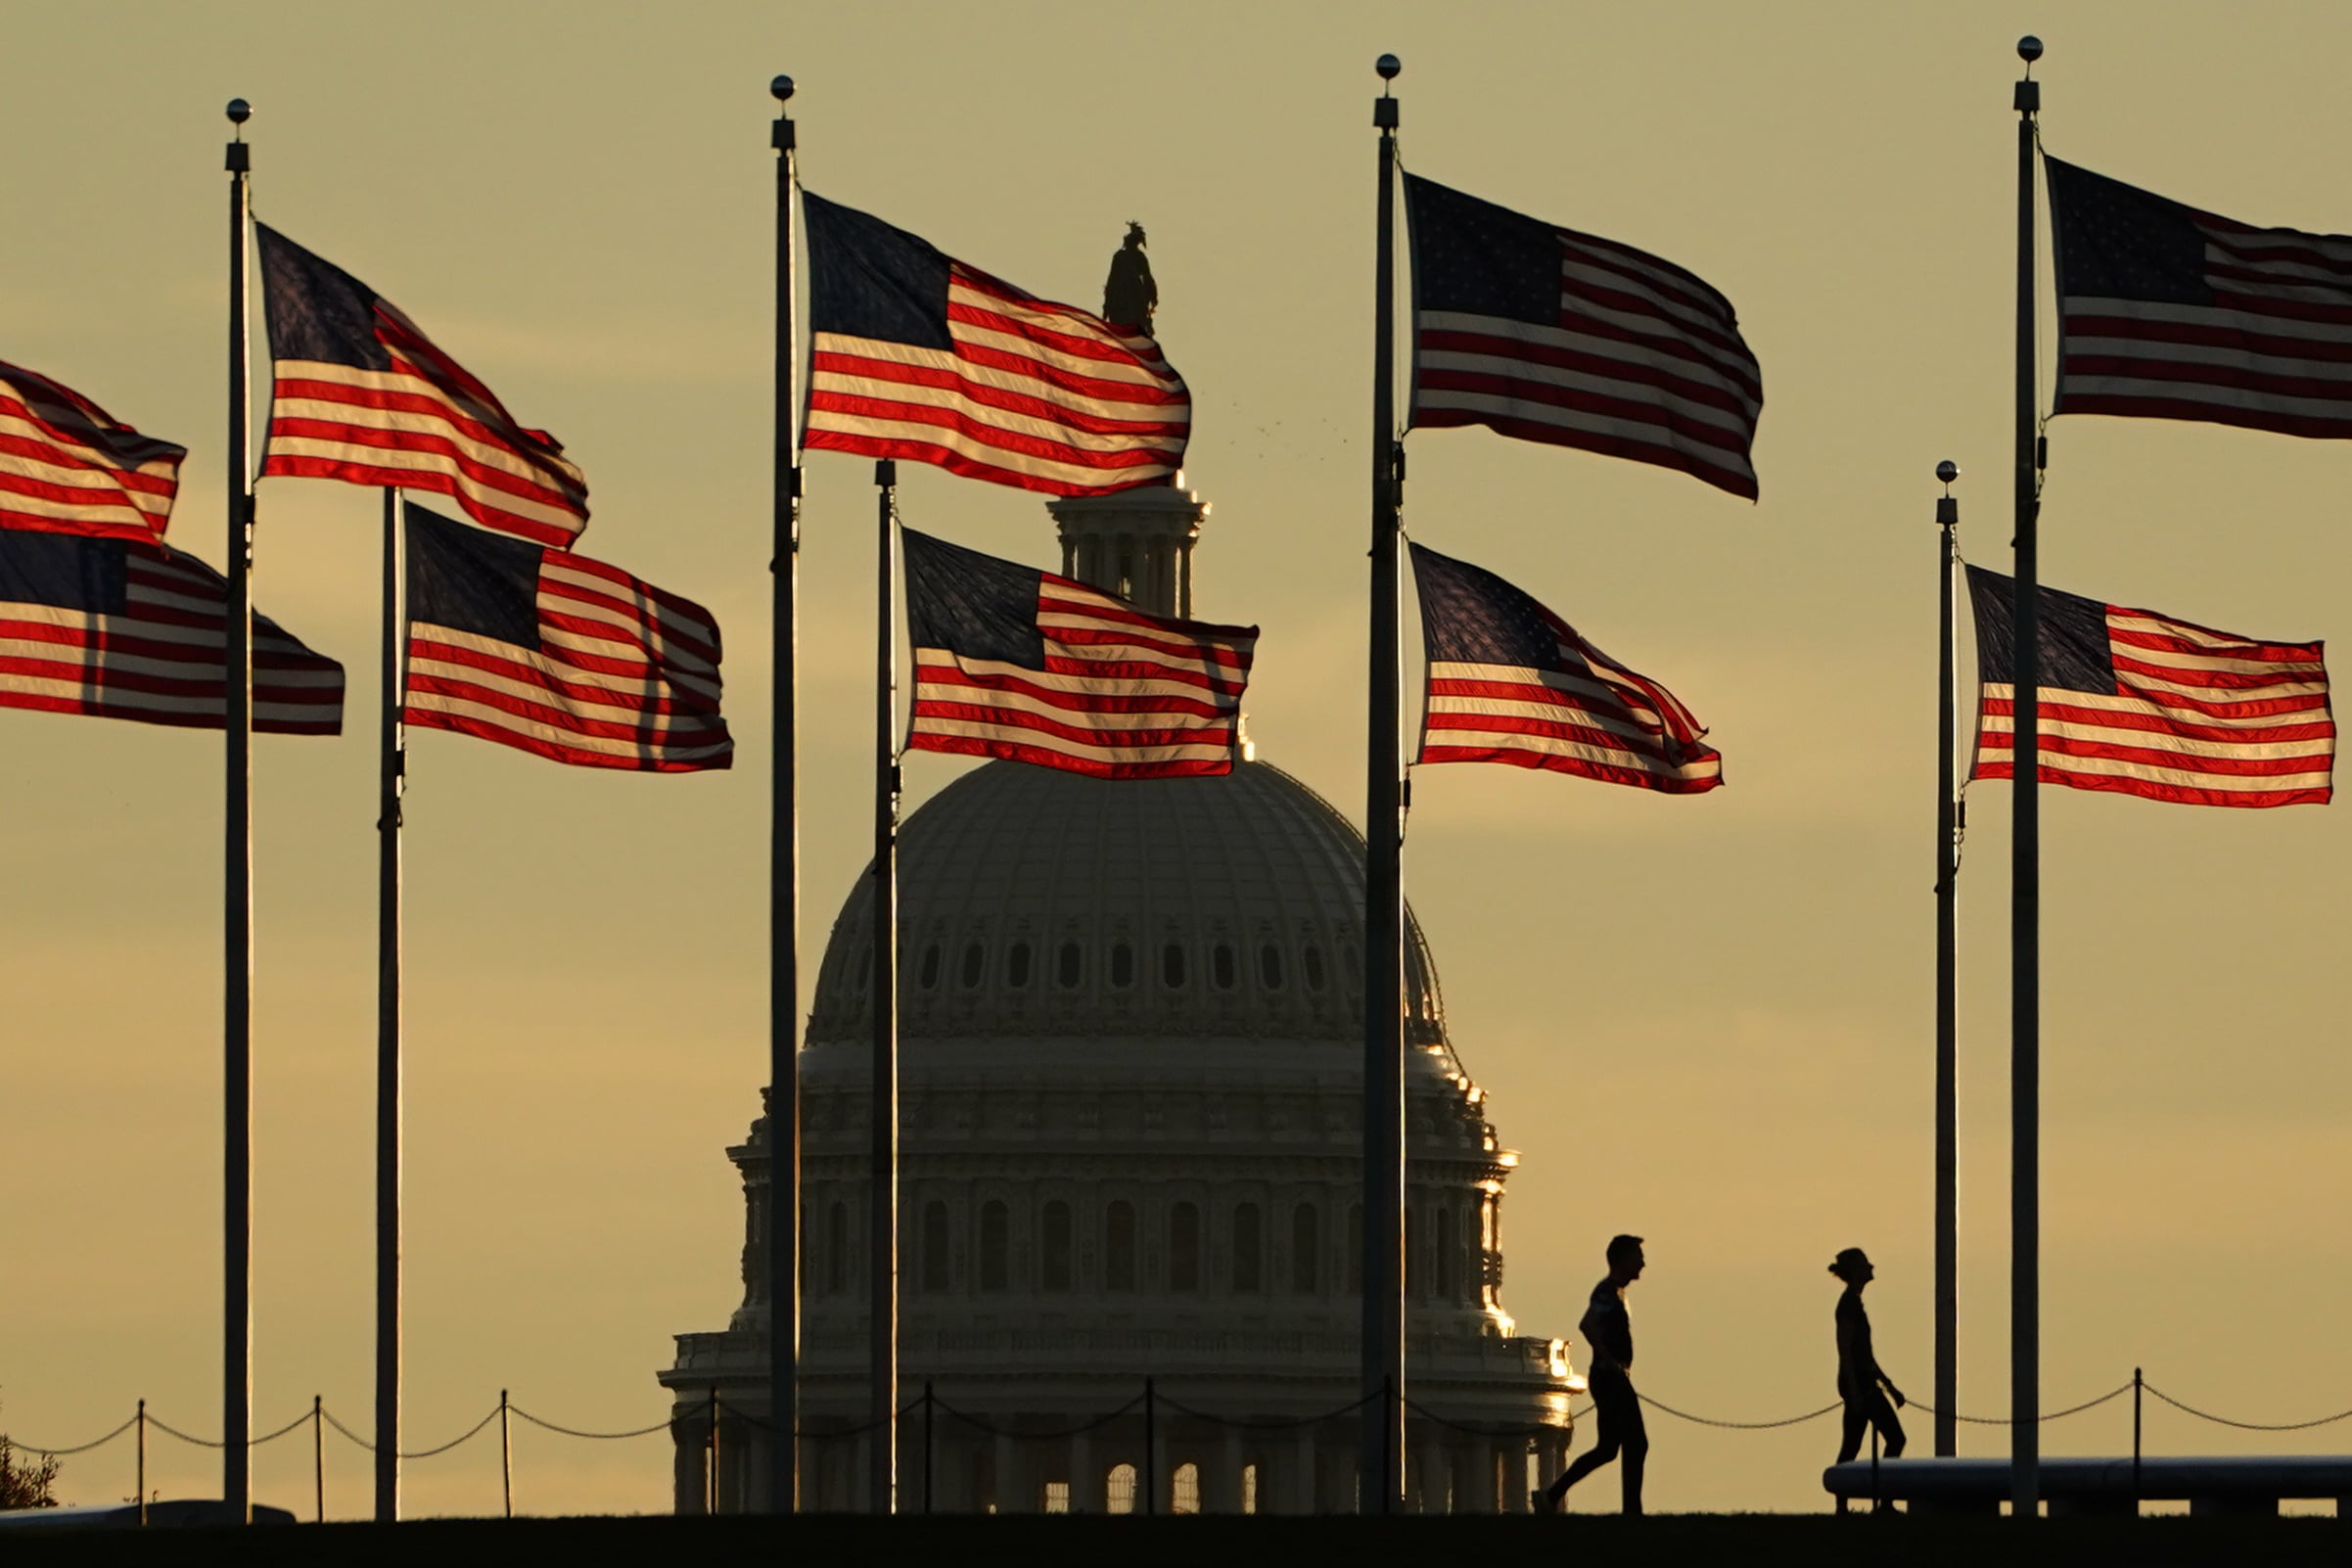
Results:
[930, 1452]
[318, 1458]
[1151, 1464]
[711, 1502]
[142, 1464]
[506, 1456]
[1877, 1501]
[2138, 1383]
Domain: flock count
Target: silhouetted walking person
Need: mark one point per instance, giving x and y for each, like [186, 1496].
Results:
[1610, 1332]
[1860, 1378]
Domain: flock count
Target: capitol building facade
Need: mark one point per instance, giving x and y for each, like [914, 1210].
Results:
[1131, 1038]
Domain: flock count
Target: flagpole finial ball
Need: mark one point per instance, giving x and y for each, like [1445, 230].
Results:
[781, 87]
[1388, 66]
[239, 111]
[1947, 471]
[2029, 49]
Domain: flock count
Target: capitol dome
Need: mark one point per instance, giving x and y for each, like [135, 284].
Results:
[1130, 1075]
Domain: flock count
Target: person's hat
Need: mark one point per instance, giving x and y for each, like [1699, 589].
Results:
[1848, 1261]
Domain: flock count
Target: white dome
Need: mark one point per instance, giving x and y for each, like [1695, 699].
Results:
[1047, 905]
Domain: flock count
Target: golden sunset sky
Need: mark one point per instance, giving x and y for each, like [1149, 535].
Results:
[1708, 1021]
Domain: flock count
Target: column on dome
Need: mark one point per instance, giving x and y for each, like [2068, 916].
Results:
[1221, 1482]
[1305, 1491]
[1437, 1475]
[690, 1479]
[1086, 1473]
[1137, 543]
[1016, 1492]
[1516, 1483]
[1476, 1493]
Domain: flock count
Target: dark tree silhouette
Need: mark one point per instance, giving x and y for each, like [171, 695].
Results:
[26, 1484]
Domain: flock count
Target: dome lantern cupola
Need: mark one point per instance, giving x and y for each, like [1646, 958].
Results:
[1135, 543]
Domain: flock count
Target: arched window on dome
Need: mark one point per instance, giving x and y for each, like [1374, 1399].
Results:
[1119, 1489]
[1184, 1246]
[1122, 965]
[1221, 966]
[837, 1248]
[1314, 968]
[1054, 1255]
[1016, 966]
[1171, 965]
[1184, 1495]
[1269, 967]
[1249, 1249]
[930, 966]
[937, 1261]
[1072, 966]
[1305, 1248]
[1249, 1488]
[1119, 1246]
[1447, 1283]
[995, 1247]
[1354, 1249]
[976, 960]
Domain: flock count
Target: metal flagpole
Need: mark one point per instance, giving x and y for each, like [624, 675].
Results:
[784, 882]
[237, 884]
[1383, 1333]
[883, 1192]
[390, 783]
[2025, 878]
[1947, 1025]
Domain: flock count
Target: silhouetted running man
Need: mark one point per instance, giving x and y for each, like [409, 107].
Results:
[1860, 1377]
[1610, 1332]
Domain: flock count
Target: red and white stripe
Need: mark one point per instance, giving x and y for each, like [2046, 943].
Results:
[161, 660]
[2198, 718]
[1646, 362]
[626, 676]
[426, 424]
[1592, 717]
[1123, 694]
[67, 466]
[2272, 352]
[1039, 395]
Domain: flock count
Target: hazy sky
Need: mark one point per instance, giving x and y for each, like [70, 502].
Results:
[1709, 1021]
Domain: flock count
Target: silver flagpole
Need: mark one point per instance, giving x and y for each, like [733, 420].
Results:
[2025, 875]
[784, 881]
[1947, 969]
[1383, 1332]
[237, 882]
[882, 1187]
[391, 776]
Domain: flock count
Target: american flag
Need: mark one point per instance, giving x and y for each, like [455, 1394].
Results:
[1553, 335]
[124, 629]
[1016, 663]
[2140, 704]
[363, 396]
[2166, 312]
[552, 653]
[918, 355]
[1511, 682]
[68, 466]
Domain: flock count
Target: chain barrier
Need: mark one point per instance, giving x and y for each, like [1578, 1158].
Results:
[1737, 1426]
[421, 1454]
[2117, 1392]
[2244, 1427]
[943, 1407]
[643, 1431]
[1176, 1406]
[59, 1453]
